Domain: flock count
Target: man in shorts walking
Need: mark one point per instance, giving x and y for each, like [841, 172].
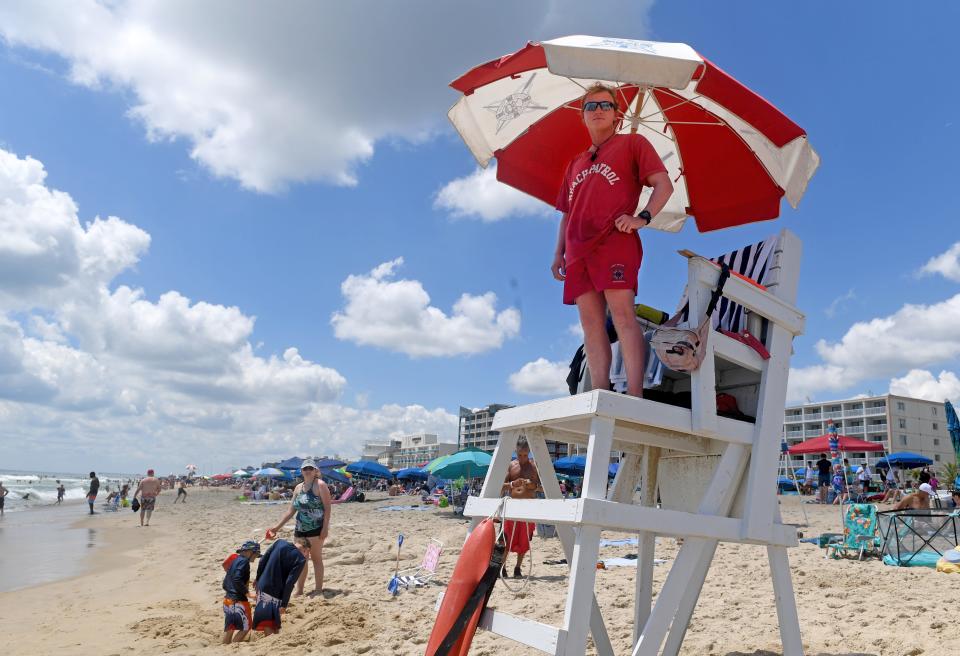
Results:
[3, 497]
[149, 490]
[93, 491]
[824, 469]
[598, 251]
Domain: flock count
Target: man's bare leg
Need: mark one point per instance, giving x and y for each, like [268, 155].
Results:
[228, 637]
[631, 337]
[240, 635]
[593, 319]
[142, 512]
[149, 513]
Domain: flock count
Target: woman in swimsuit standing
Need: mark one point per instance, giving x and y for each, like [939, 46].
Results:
[311, 505]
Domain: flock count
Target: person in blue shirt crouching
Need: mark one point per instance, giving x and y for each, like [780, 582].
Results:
[237, 619]
[277, 573]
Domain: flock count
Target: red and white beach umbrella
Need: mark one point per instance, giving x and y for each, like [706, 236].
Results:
[731, 154]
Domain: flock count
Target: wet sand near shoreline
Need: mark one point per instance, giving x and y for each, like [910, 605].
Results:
[157, 590]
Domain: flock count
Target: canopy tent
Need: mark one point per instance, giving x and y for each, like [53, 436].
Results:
[904, 460]
[369, 469]
[846, 443]
[241, 473]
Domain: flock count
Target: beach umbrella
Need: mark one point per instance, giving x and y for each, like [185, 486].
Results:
[953, 427]
[468, 463]
[334, 475]
[272, 472]
[904, 460]
[241, 473]
[329, 463]
[412, 473]
[191, 468]
[731, 154]
[221, 477]
[572, 465]
[369, 469]
[290, 463]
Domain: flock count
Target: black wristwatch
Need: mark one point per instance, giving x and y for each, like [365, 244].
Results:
[645, 215]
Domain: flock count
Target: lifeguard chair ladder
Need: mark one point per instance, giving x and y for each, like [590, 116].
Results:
[738, 505]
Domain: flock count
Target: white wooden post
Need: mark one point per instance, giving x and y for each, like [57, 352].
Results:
[646, 544]
[586, 548]
[703, 381]
[551, 489]
[784, 598]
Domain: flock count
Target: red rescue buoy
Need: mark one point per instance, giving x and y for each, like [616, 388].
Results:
[470, 569]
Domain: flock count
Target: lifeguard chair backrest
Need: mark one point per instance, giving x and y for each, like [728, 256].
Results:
[683, 480]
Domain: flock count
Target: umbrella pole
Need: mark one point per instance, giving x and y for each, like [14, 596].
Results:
[635, 119]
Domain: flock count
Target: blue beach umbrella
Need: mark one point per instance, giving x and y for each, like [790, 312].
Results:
[571, 465]
[953, 427]
[370, 469]
[468, 463]
[329, 463]
[290, 463]
[334, 475]
[412, 473]
[904, 460]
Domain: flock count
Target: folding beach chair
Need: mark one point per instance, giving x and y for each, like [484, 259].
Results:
[422, 574]
[860, 532]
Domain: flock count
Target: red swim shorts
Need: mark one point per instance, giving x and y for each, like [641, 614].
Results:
[517, 536]
[614, 264]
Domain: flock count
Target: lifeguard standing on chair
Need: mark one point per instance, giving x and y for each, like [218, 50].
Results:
[598, 250]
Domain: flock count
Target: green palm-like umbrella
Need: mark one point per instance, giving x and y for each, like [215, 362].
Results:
[469, 463]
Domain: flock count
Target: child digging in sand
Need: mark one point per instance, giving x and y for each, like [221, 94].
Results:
[237, 618]
[277, 573]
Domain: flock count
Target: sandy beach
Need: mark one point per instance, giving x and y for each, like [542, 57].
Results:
[157, 590]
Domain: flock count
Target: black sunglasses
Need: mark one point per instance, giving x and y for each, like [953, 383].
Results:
[594, 105]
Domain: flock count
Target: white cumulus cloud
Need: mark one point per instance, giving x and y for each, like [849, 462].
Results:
[87, 367]
[914, 336]
[480, 195]
[271, 94]
[541, 377]
[397, 315]
[922, 384]
[946, 264]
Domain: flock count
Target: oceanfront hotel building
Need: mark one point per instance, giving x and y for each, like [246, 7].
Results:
[900, 423]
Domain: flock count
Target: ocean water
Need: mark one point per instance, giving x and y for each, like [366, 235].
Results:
[30, 490]
[38, 542]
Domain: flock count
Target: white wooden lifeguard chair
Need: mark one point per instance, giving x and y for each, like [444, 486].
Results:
[737, 460]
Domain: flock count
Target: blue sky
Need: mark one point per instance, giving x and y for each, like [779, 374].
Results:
[257, 159]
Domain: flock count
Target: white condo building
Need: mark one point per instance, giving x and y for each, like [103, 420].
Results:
[418, 448]
[900, 423]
